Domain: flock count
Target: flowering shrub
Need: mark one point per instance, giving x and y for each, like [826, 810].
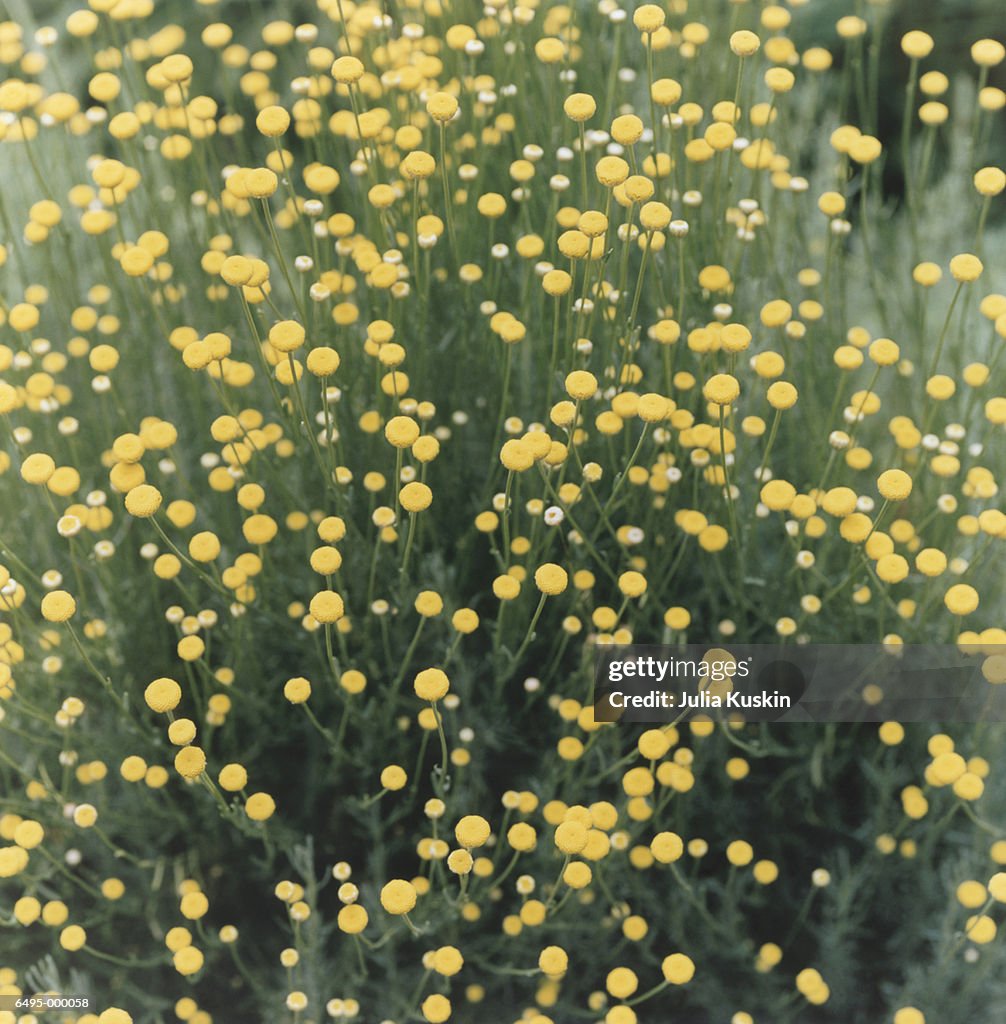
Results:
[359, 378]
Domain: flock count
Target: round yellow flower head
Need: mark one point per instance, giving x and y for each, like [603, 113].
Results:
[961, 599]
[778, 495]
[571, 837]
[236, 270]
[398, 896]
[626, 129]
[27, 910]
[431, 684]
[259, 806]
[884, 352]
[347, 70]
[136, 261]
[353, 919]
[678, 969]
[517, 455]
[327, 606]
[987, 53]
[401, 431]
[58, 606]
[894, 485]
[666, 92]
[436, 1008]
[286, 336]
[416, 497]
[739, 853]
[472, 831]
[261, 182]
[721, 389]
[297, 690]
[29, 834]
[429, 603]
[667, 847]
[272, 122]
[233, 778]
[188, 961]
[553, 961]
[990, 181]
[109, 173]
[611, 171]
[182, 731]
[917, 44]
[550, 578]
[622, 982]
[204, 546]
[37, 468]
[782, 395]
[966, 267]
[72, 938]
[579, 106]
[323, 361]
[393, 777]
[892, 568]
[648, 18]
[442, 107]
[632, 583]
[447, 960]
[744, 43]
[522, 837]
[143, 501]
[506, 587]
[461, 862]
[581, 385]
[177, 68]
[418, 165]
[190, 762]
[163, 695]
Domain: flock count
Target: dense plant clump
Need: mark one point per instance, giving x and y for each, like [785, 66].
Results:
[360, 376]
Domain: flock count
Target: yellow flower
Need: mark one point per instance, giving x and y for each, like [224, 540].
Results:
[72, 938]
[163, 695]
[143, 501]
[259, 806]
[961, 599]
[431, 684]
[721, 389]
[472, 831]
[58, 606]
[916, 44]
[398, 896]
[441, 106]
[297, 690]
[678, 969]
[744, 43]
[327, 606]
[416, 497]
[272, 122]
[347, 70]
[550, 578]
[436, 1009]
[190, 762]
[37, 468]
[966, 267]
[286, 336]
[571, 837]
[894, 485]
[648, 18]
